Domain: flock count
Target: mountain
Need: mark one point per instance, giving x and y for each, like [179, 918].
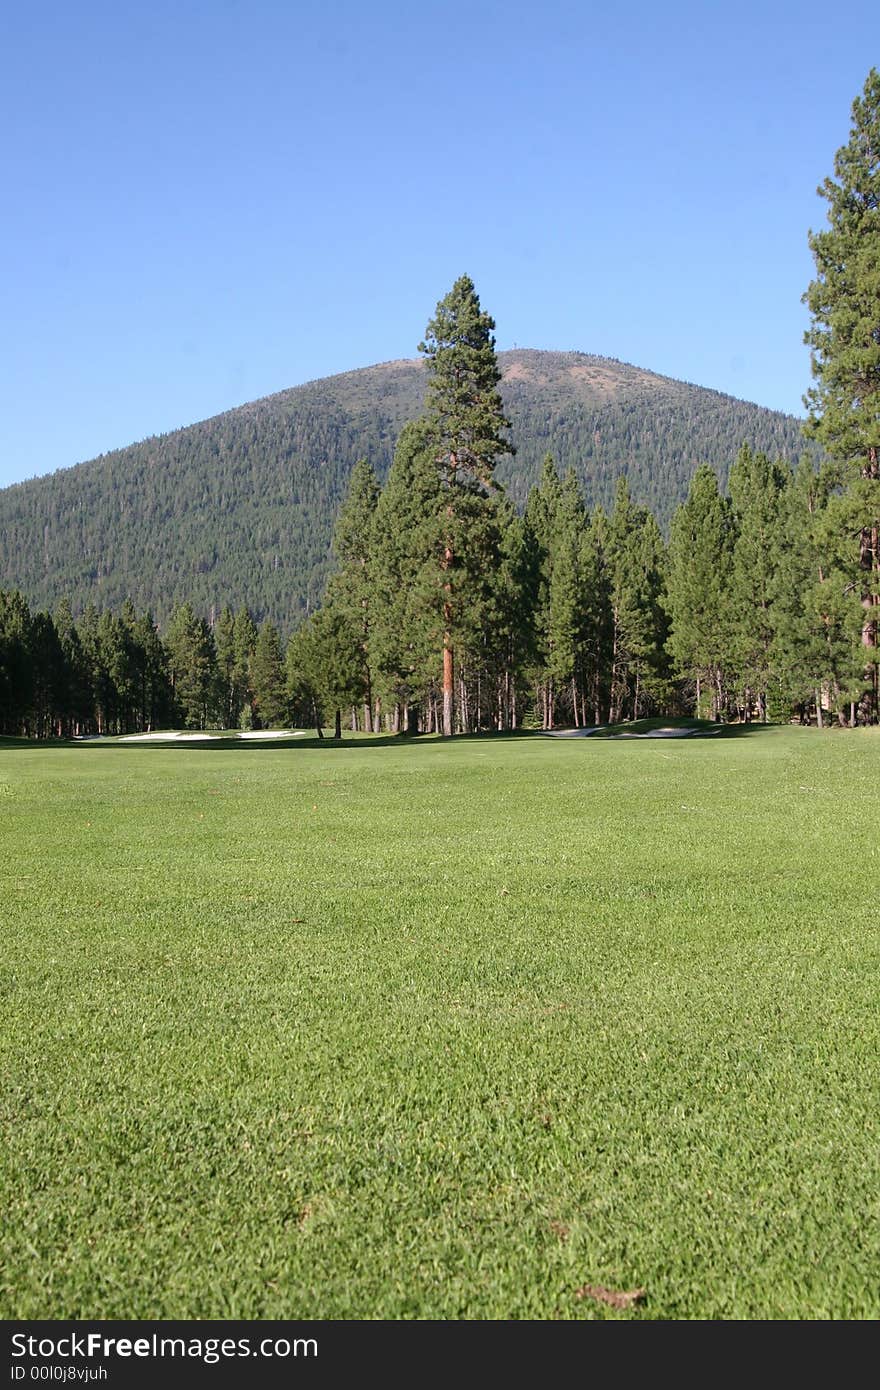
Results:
[240, 508]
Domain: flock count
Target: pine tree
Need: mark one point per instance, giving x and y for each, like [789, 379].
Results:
[756, 490]
[638, 624]
[268, 678]
[698, 589]
[192, 666]
[229, 696]
[303, 677]
[245, 642]
[351, 587]
[323, 667]
[76, 709]
[47, 674]
[569, 603]
[87, 630]
[16, 668]
[815, 648]
[509, 623]
[406, 577]
[599, 645]
[156, 700]
[844, 337]
[540, 537]
[465, 415]
[112, 671]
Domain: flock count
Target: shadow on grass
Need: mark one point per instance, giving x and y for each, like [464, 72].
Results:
[621, 733]
[679, 729]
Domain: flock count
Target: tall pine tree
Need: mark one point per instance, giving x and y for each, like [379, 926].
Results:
[844, 337]
[467, 422]
[698, 596]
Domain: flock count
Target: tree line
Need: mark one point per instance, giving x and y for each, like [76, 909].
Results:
[561, 616]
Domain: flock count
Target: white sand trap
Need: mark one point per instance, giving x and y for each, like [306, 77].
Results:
[143, 738]
[273, 733]
[168, 737]
[175, 736]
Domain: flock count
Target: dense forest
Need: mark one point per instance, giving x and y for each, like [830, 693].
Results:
[240, 509]
[449, 610]
[560, 616]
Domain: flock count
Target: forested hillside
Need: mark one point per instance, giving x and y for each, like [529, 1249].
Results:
[239, 509]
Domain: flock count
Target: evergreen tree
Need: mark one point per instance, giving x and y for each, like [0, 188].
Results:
[509, 625]
[87, 630]
[638, 624]
[466, 419]
[568, 602]
[76, 707]
[245, 643]
[756, 489]
[813, 654]
[155, 698]
[192, 666]
[406, 578]
[303, 677]
[47, 675]
[324, 671]
[351, 588]
[16, 667]
[112, 669]
[132, 675]
[540, 520]
[599, 646]
[268, 678]
[698, 589]
[229, 697]
[844, 337]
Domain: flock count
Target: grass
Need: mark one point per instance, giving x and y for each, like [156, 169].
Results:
[441, 1031]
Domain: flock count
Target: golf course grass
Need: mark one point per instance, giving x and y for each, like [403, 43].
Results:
[442, 1030]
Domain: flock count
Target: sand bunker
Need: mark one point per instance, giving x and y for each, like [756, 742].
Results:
[174, 736]
[272, 733]
[160, 738]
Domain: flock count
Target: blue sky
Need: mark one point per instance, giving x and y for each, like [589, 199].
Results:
[207, 202]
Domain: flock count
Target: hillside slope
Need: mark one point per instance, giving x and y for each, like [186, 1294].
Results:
[240, 508]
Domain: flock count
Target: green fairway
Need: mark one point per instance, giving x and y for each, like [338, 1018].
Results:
[442, 1030]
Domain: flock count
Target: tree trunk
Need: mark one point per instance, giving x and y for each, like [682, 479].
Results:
[718, 697]
[448, 661]
[464, 709]
[819, 724]
[870, 561]
[448, 687]
[337, 724]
